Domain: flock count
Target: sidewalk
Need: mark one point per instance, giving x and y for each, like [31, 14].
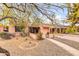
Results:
[68, 36]
[68, 48]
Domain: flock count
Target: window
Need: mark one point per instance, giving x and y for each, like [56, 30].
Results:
[34, 29]
[17, 29]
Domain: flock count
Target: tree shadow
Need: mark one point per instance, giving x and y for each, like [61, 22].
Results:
[4, 51]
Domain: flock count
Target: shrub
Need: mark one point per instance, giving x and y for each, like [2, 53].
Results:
[72, 30]
[39, 36]
[5, 35]
[23, 34]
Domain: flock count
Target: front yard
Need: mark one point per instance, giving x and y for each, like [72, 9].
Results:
[42, 48]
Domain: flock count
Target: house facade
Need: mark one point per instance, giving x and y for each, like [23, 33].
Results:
[10, 29]
[44, 28]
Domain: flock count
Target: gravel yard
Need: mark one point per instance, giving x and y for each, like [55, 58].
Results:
[44, 48]
[71, 43]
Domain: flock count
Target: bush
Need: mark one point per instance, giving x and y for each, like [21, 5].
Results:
[72, 30]
[5, 35]
[39, 36]
[23, 34]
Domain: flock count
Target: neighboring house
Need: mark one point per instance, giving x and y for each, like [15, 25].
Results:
[5, 25]
[7, 29]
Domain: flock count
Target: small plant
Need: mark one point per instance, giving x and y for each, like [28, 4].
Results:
[39, 36]
[2, 34]
[23, 34]
[47, 34]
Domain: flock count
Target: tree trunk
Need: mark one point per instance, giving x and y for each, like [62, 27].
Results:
[26, 30]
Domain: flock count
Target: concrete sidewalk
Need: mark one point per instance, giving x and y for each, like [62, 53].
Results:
[68, 36]
[68, 48]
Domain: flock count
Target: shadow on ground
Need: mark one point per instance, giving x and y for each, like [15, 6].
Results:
[4, 51]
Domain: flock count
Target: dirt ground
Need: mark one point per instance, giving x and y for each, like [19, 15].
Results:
[43, 48]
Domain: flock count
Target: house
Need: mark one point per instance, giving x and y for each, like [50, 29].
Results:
[44, 28]
[9, 29]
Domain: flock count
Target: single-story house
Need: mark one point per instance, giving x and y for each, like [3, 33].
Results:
[44, 28]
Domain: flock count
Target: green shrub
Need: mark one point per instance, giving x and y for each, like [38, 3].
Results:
[2, 33]
[5, 35]
[72, 30]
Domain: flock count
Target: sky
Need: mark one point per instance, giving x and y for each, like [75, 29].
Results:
[60, 14]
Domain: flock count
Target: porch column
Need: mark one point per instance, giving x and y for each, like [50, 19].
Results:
[11, 29]
[50, 30]
[1, 29]
[60, 30]
[55, 30]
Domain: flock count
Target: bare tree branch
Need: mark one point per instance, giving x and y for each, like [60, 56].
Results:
[13, 7]
[7, 17]
[42, 12]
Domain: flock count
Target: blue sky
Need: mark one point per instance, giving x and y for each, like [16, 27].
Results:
[61, 14]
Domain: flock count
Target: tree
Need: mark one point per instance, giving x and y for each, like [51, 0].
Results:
[24, 11]
[73, 17]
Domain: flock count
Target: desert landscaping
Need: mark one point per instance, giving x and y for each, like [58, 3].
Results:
[35, 29]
